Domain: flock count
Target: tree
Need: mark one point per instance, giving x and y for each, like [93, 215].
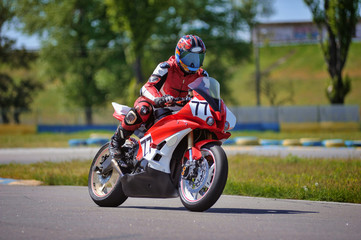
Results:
[154, 27]
[6, 15]
[339, 19]
[15, 94]
[272, 90]
[215, 22]
[5, 96]
[249, 11]
[23, 96]
[78, 43]
[6, 82]
[137, 18]
[80, 47]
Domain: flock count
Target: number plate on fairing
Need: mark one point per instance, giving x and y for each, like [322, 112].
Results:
[145, 144]
[200, 108]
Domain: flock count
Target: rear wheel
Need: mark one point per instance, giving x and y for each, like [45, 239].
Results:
[105, 189]
[202, 183]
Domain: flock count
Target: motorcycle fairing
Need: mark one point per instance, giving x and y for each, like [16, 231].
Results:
[196, 154]
[149, 183]
[120, 111]
[158, 144]
[231, 119]
[200, 108]
[201, 111]
[159, 156]
[155, 180]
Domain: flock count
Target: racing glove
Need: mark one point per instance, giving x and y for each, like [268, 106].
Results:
[162, 101]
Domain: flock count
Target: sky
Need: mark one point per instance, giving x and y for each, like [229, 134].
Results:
[290, 10]
[285, 10]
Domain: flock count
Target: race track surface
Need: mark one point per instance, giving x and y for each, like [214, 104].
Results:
[67, 212]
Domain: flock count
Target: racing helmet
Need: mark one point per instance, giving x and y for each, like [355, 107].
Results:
[189, 53]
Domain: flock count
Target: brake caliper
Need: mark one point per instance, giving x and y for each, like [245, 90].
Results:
[190, 170]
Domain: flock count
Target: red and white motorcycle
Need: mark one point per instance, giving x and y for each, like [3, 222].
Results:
[179, 155]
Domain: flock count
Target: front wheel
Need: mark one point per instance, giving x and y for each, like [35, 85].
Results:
[105, 188]
[202, 183]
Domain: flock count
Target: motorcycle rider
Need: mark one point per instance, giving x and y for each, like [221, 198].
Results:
[169, 80]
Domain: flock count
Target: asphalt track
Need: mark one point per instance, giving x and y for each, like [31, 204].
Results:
[66, 212]
[31, 155]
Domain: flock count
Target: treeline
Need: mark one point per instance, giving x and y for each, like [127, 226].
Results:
[16, 93]
[102, 50]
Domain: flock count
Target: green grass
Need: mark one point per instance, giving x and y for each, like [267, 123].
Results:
[295, 178]
[50, 173]
[304, 67]
[272, 177]
[46, 139]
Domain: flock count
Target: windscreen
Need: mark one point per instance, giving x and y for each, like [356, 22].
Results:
[209, 89]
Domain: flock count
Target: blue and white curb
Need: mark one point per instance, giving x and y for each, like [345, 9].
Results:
[306, 142]
[9, 181]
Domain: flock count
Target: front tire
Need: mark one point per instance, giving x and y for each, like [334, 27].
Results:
[105, 189]
[202, 192]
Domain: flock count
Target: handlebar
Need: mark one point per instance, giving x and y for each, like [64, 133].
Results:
[179, 101]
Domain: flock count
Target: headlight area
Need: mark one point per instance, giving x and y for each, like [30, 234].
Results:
[210, 121]
[226, 126]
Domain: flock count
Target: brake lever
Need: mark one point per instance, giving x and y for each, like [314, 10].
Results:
[181, 101]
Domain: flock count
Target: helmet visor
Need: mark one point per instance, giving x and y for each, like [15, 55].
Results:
[193, 60]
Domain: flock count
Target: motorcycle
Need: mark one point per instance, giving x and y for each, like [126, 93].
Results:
[179, 155]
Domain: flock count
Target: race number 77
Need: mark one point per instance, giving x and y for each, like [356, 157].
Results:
[145, 142]
[199, 105]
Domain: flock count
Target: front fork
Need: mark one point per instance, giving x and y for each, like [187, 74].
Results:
[193, 155]
[188, 168]
[190, 145]
[194, 151]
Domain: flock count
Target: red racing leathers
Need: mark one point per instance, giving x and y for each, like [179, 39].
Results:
[166, 79]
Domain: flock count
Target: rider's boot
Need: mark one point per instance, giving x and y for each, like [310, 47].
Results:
[116, 142]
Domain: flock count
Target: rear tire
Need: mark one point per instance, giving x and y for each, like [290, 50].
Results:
[201, 193]
[105, 190]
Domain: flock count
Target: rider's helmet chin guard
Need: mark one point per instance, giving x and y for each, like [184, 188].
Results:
[189, 53]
